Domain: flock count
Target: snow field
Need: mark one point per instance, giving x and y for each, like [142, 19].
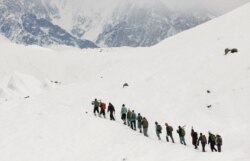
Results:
[167, 83]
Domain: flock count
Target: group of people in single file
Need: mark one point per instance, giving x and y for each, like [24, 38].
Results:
[131, 119]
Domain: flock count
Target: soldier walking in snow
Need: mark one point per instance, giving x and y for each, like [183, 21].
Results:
[194, 136]
[169, 130]
[212, 141]
[203, 141]
[145, 126]
[133, 120]
[181, 133]
[129, 115]
[124, 113]
[158, 129]
[111, 109]
[103, 108]
[219, 142]
[139, 122]
[96, 106]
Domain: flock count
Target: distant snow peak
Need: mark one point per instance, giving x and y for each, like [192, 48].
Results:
[134, 25]
[29, 22]
[111, 23]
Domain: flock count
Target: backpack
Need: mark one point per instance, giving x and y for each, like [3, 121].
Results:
[159, 128]
[213, 138]
[203, 139]
[182, 132]
[195, 135]
[139, 118]
[169, 130]
[103, 106]
[219, 140]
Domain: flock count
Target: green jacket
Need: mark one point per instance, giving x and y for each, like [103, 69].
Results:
[133, 116]
[129, 115]
[124, 110]
[96, 103]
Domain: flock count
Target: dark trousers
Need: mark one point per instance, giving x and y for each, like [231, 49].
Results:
[112, 116]
[219, 147]
[103, 113]
[96, 109]
[171, 136]
[194, 141]
[124, 118]
[132, 125]
[212, 147]
[139, 125]
[203, 147]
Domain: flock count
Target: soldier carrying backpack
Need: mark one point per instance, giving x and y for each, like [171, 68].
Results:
[96, 106]
[133, 120]
[203, 141]
[145, 126]
[181, 133]
[219, 142]
[212, 141]
[158, 129]
[139, 122]
[124, 114]
[169, 130]
[111, 109]
[194, 136]
[129, 115]
[103, 108]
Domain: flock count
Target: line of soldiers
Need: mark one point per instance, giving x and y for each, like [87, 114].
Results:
[99, 104]
[130, 118]
[212, 140]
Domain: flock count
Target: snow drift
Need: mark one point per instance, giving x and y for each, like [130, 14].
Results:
[22, 85]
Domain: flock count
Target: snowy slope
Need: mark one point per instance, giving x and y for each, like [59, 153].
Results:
[168, 83]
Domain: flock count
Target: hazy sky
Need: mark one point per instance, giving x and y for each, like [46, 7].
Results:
[221, 6]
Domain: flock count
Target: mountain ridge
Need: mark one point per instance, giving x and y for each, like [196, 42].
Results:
[30, 24]
[139, 24]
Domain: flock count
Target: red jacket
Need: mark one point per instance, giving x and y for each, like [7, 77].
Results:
[103, 106]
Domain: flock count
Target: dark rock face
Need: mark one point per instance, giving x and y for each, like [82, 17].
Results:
[29, 24]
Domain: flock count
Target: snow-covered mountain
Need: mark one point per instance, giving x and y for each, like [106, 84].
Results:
[147, 25]
[167, 83]
[29, 22]
[71, 22]
[127, 23]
